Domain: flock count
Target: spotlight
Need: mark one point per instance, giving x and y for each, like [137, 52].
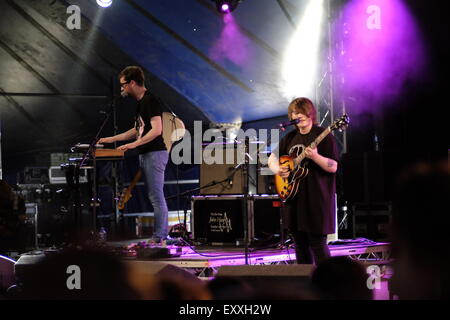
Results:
[104, 3]
[226, 6]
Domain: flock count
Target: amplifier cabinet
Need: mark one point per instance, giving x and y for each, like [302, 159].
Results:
[229, 170]
[219, 219]
[265, 181]
[266, 219]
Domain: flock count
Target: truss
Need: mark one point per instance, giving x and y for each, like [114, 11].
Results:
[330, 106]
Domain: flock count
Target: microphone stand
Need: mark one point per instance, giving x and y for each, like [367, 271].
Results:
[245, 200]
[90, 151]
[283, 239]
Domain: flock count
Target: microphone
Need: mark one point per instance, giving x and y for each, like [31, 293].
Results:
[283, 125]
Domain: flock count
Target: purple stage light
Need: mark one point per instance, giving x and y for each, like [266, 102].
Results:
[383, 50]
[226, 6]
[232, 44]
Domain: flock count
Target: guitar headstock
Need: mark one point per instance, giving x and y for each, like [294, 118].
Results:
[341, 123]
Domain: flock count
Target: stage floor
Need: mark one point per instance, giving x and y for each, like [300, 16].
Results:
[204, 261]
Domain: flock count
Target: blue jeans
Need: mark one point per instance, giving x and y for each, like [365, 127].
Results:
[153, 165]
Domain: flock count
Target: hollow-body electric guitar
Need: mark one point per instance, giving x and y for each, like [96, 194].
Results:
[288, 187]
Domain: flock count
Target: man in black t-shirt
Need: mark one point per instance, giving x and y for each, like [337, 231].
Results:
[147, 132]
[310, 214]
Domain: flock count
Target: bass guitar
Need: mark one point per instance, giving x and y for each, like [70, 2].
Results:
[126, 193]
[288, 187]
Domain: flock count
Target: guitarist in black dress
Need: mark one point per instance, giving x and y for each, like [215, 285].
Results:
[310, 214]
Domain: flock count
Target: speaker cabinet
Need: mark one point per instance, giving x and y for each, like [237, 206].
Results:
[164, 270]
[266, 182]
[224, 163]
[286, 270]
[266, 216]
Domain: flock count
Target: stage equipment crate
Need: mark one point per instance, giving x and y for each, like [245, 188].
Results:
[219, 219]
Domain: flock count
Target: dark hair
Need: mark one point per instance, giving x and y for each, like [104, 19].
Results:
[103, 276]
[133, 73]
[304, 106]
[341, 278]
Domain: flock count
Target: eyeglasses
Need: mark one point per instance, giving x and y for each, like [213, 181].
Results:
[122, 84]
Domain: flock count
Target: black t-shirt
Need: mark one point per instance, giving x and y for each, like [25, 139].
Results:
[148, 107]
[313, 207]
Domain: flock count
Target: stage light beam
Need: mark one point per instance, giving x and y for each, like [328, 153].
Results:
[301, 59]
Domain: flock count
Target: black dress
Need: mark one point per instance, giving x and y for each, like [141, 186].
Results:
[313, 208]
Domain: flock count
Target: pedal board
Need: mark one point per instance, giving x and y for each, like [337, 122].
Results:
[158, 252]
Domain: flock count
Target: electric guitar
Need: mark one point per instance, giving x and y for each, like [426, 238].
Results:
[126, 193]
[288, 187]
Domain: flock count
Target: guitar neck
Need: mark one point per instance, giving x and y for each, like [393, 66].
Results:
[136, 178]
[313, 145]
[320, 138]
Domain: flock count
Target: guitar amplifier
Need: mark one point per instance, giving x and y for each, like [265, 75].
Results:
[265, 182]
[226, 166]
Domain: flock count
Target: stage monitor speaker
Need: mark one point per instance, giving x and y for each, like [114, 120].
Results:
[273, 281]
[227, 167]
[6, 273]
[282, 270]
[142, 272]
[23, 268]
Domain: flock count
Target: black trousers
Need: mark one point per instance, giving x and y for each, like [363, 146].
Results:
[310, 247]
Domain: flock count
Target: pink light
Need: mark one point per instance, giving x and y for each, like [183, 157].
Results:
[232, 44]
[225, 7]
